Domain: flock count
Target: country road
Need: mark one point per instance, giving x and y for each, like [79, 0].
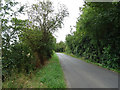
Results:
[79, 74]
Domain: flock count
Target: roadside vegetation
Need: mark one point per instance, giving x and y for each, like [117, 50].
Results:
[27, 45]
[97, 35]
[28, 58]
[89, 61]
[60, 47]
[48, 76]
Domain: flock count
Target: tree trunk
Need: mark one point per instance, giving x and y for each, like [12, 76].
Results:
[37, 59]
[41, 59]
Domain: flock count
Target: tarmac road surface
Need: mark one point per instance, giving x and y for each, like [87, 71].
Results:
[79, 74]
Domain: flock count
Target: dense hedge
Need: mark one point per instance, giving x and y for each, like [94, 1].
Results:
[97, 35]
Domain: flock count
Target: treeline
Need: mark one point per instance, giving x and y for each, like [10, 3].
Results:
[27, 44]
[97, 35]
[60, 47]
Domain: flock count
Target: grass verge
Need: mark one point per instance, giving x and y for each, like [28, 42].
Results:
[89, 61]
[49, 76]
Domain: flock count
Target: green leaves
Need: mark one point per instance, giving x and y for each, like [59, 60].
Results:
[96, 36]
[60, 47]
[48, 20]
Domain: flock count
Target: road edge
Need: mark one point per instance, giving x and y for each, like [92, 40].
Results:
[66, 81]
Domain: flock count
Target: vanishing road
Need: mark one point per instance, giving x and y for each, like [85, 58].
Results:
[79, 74]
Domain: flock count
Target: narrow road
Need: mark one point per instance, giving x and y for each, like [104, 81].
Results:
[79, 74]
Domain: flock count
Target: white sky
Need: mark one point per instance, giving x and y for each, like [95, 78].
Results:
[73, 9]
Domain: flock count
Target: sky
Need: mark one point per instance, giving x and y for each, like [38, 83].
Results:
[74, 13]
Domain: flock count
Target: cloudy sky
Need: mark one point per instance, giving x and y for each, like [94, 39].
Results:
[73, 8]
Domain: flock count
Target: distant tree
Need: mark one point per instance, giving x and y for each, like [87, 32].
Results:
[60, 47]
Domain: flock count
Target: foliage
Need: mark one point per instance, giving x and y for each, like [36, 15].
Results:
[14, 59]
[97, 34]
[60, 47]
[43, 21]
[49, 76]
[27, 44]
[14, 53]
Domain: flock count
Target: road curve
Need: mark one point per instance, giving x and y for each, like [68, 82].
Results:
[79, 74]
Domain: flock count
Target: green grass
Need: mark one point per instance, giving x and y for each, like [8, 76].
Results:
[49, 76]
[89, 61]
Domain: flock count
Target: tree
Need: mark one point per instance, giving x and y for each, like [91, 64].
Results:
[14, 53]
[24, 41]
[97, 33]
[60, 47]
[43, 21]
